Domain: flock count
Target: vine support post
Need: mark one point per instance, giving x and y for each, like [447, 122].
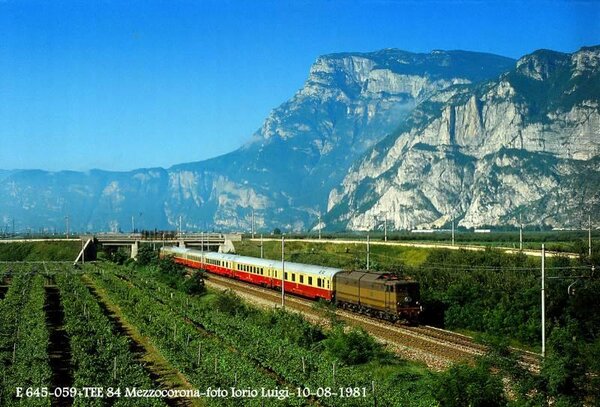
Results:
[374, 395]
[333, 373]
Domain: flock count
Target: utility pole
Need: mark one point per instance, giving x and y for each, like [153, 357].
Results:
[543, 301]
[385, 229]
[520, 232]
[67, 219]
[319, 225]
[452, 230]
[368, 252]
[180, 226]
[132, 224]
[282, 271]
[202, 242]
[590, 236]
[262, 250]
[252, 223]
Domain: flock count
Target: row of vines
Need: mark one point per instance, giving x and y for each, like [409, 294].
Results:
[202, 358]
[24, 339]
[297, 355]
[100, 356]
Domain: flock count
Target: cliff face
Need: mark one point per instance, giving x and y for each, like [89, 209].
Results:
[524, 144]
[284, 173]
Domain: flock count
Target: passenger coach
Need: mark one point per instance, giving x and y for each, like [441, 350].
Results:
[301, 279]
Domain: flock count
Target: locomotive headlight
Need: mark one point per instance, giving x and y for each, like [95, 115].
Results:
[407, 299]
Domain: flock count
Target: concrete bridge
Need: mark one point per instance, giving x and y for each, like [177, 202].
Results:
[207, 241]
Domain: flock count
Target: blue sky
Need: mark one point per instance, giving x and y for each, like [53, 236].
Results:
[122, 84]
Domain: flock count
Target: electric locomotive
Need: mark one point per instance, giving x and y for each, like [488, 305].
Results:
[380, 295]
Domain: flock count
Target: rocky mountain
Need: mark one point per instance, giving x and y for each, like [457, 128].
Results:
[283, 174]
[524, 144]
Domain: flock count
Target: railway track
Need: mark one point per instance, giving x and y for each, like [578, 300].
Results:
[438, 348]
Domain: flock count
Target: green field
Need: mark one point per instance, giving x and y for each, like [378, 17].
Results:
[39, 251]
[168, 317]
[572, 241]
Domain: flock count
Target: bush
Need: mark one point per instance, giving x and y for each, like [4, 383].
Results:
[175, 276]
[289, 325]
[353, 347]
[146, 256]
[230, 303]
[466, 386]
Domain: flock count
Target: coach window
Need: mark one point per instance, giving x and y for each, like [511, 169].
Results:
[327, 283]
[301, 279]
[285, 277]
[318, 282]
[309, 280]
[293, 277]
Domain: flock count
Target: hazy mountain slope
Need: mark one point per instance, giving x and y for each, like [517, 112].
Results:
[526, 143]
[304, 148]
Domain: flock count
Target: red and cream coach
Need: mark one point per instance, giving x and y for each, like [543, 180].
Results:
[301, 279]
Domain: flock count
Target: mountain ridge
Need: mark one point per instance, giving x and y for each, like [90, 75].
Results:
[290, 165]
[559, 116]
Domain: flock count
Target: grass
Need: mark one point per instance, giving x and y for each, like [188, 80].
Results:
[555, 240]
[351, 255]
[39, 251]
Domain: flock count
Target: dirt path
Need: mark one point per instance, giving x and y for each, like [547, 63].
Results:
[162, 373]
[59, 346]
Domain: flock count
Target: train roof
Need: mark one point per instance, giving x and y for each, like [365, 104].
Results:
[289, 266]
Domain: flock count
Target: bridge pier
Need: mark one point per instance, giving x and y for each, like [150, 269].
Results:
[135, 247]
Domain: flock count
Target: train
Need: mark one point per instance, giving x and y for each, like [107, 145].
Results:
[375, 294]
